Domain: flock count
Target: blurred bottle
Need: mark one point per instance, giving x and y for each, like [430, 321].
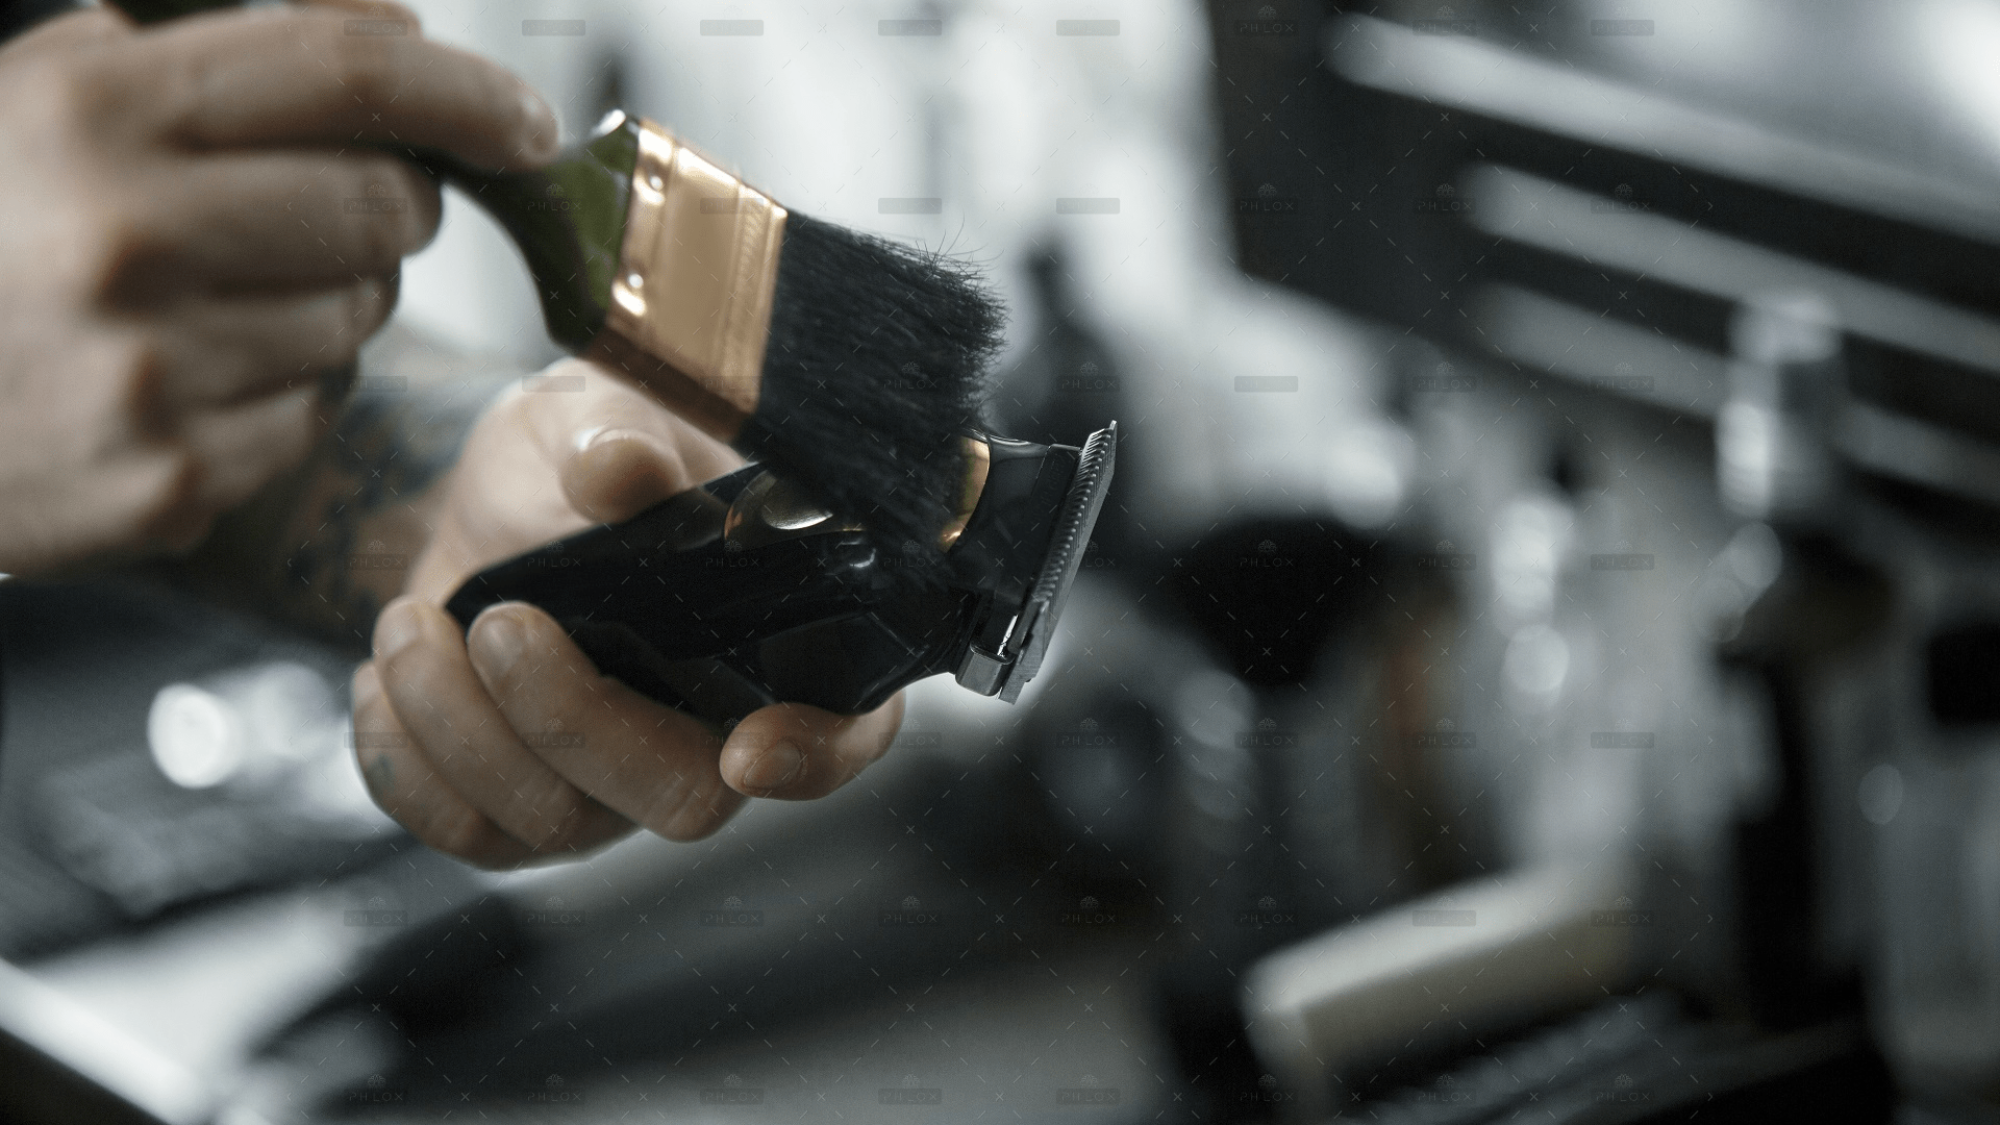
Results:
[1773, 438]
[246, 780]
[243, 726]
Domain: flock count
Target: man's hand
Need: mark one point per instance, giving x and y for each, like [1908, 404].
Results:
[452, 736]
[195, 236]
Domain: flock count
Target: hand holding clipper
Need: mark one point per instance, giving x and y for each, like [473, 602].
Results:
[579, 689]
[846, 361]
[503, 744]
[742, 593]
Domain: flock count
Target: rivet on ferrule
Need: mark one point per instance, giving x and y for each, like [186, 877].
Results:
[697, 281]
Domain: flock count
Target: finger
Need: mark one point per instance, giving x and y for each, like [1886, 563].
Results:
[226, 350]
[321, 76]
[651, 763]
[241, 448]
[412, 792]
[619, 473]
[295, 218]
[795, 752]
[441, 702]
[619, 451]
[137, 500]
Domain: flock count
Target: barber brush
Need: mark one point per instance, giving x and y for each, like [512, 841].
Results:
[844, 361]
[847, 362]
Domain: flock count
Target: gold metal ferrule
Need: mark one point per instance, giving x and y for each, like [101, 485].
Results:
[978, 459]
[697, 277]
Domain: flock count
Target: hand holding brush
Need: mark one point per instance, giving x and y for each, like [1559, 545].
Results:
[845, 362]
[185, 277]
[850, 368]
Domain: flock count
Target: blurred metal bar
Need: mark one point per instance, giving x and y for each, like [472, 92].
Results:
[1492, 81]
[1581, 348]
[1477, 958]
[1599, 351]
[54, 1033]
[1562, 220]
[1894, 445]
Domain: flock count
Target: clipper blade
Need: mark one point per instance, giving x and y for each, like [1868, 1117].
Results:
[1020, 657]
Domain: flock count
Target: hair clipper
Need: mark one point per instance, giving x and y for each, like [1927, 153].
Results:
[741, 592]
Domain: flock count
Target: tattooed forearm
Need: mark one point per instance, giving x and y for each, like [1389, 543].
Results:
[325, 549]
[370, 503]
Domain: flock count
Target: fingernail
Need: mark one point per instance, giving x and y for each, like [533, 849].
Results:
[539, 121]
[397, 629]
[779, 765]
[497, 641]
[600, 435]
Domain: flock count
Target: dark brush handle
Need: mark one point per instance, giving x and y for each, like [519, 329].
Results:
[567, 219]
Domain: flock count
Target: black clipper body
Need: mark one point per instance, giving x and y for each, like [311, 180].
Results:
[740, 593]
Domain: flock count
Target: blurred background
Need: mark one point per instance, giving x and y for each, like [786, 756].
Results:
[1540, 660]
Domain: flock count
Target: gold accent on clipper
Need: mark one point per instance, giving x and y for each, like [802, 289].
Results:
[697, 277]
[978, 461]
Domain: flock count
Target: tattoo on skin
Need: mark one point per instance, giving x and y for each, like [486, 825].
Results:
[325, 548]
[381, 775]
[383, 456]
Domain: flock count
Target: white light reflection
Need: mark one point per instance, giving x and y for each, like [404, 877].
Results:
[1958, 41]
[1535, 667]
[1529, 538]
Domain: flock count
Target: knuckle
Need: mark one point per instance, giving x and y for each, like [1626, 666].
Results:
[369, 303]
[113, 248]
[393, 215]
[464, 832]
[417, 218]
[664, 810]
[333, 328]
[413, 675]
[513, 410]
[554, 816]
[367, 66]
[138, 382]
[74, 92]
[698, 821]
[692, 810]
[300, 422]
[168, 508]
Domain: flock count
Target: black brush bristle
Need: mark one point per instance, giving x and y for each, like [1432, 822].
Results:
[875, 365]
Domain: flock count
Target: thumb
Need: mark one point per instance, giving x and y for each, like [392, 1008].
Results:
[616, 473]
[618, 450]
